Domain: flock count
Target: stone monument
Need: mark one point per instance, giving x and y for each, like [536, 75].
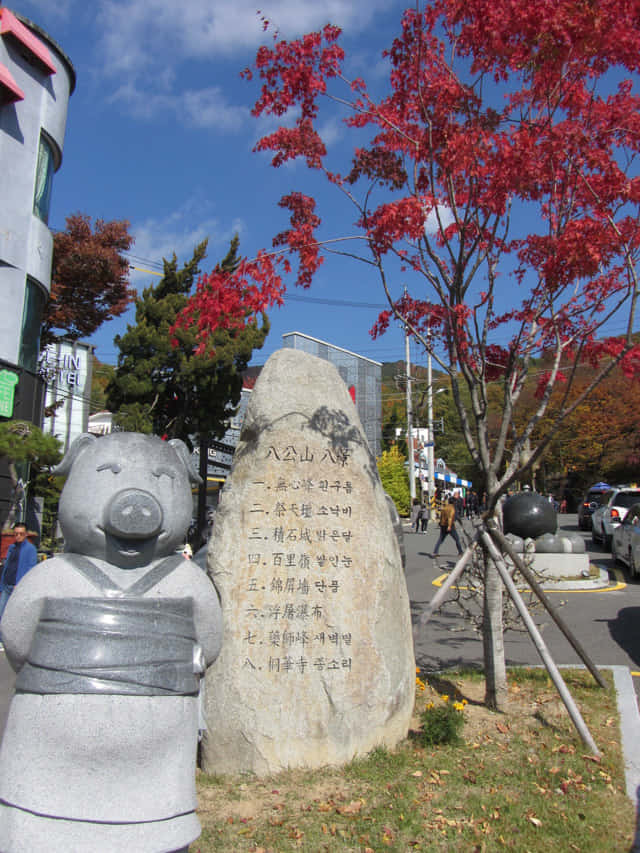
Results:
[317, 664]
[109, 642]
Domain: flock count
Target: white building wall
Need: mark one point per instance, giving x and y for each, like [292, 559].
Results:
[25, 240]
[67, 368]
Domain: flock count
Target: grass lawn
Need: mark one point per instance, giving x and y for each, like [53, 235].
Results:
[518, 781]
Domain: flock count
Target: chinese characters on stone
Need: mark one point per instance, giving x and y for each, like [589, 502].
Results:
[299, 535]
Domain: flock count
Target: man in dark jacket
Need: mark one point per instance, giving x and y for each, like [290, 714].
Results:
[21, 557]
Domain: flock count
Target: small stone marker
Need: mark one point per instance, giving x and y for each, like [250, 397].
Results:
[317, 664]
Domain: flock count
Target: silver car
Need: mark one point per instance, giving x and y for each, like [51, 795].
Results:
[625, 544]
[614, 507]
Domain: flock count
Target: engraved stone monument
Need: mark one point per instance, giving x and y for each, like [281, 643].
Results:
[317, 664]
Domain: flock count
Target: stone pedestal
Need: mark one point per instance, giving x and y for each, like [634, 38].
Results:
[561, 565]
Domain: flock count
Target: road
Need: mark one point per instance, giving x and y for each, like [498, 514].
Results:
[605, 621]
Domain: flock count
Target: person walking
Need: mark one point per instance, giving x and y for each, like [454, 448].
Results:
[415, 515]
[21, 557]
[448, 526]
[424, 518]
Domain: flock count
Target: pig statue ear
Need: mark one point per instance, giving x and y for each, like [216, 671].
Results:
[81, 443]
[185, 457]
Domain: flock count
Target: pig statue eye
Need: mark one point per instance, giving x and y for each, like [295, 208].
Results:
[115, 467]
[161, 469]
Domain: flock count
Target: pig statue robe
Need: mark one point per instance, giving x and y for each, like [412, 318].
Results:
[109, 642]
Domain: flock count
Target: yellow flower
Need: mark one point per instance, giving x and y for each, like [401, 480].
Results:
[445, 697]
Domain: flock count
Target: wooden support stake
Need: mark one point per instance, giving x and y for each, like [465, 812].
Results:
[506, 547]
[455, 573]
[540, 645]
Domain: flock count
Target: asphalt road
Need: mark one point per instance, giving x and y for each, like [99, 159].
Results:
[604, 621]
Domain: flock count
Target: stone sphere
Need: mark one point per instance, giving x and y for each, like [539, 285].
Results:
[577, 543]
[517, 543]
[548, 543]
[528, 515]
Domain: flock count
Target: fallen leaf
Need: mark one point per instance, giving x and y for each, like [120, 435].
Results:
[534, 820]
[351, 808]
[417, 774]
[502, 728]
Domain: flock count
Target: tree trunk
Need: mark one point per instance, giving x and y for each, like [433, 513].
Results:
[15, 511]
[495, 670]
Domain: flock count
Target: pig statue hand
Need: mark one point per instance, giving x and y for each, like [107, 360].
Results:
[109, 642]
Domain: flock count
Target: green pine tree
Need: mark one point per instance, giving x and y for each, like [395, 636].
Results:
[169, 390]
[22, 443]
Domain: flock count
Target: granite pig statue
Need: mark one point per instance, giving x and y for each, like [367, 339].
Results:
[109, 642]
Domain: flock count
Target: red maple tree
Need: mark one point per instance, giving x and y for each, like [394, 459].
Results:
[496, 178]
[89, 277]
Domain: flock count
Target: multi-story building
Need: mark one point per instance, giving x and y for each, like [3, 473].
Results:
[362, 376]
[66, 366]
[36, 82]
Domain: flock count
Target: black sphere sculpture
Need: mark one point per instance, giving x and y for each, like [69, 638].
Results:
[528, 515]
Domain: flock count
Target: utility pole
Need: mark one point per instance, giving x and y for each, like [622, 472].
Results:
[431, 471]
[412, 474]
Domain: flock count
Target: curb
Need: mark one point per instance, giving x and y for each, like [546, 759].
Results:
[601, 582]
[629, 728]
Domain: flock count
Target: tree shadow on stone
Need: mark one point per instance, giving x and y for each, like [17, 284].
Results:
[342, 435]
[332, 424]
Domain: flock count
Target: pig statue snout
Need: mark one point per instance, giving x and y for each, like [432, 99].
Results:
[133, 514]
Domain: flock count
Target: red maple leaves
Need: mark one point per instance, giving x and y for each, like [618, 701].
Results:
[499, 176]
[231, 300]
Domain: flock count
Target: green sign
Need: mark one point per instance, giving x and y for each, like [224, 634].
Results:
[8, 382]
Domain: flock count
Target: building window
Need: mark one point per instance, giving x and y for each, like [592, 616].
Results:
[35, 300]
[44, 180]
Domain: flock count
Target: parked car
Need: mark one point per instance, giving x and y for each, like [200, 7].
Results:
[614, 507]
[625, 544]
[589, 503]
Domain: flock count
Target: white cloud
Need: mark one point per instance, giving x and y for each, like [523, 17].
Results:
[59, 9]
[158, 238]
[206, 107]
[146, 43]
[444, 214]
[138, 33]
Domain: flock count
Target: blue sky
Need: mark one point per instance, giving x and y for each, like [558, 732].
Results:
[159, 132]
